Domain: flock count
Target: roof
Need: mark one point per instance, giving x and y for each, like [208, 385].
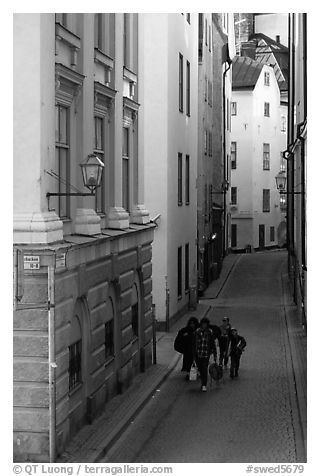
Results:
[268, 51]
[245, 72]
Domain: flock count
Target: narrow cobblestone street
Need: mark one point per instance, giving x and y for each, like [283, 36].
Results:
[251, 419]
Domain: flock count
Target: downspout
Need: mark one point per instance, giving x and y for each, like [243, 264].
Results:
[225, 170]
[52, 366]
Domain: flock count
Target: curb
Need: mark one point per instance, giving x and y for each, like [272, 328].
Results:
[236, 261]
[299, 410]
[122, 425]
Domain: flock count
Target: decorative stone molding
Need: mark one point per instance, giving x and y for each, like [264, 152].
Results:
[70, 39]
[130, 111]
[87, 222]
[41, 227]
[118, 218]
[103, 99]
[139, 215]
[68, 84]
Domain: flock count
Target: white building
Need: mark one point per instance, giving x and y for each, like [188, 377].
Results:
[169, 105]
[258, 136]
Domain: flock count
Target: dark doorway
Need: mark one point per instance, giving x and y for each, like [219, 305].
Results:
[233, 236]
[261, 237]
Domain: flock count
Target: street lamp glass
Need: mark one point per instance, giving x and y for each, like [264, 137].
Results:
[281, 181]
[92, 172]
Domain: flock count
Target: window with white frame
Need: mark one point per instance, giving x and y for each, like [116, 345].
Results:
[233, 108]
[266, 78]
[98, 31]
[266, 156]
[179, 178]
[267, 109]
[283, 124]
[63, 158]
[180, 82]
[188, 79]
[187, 180]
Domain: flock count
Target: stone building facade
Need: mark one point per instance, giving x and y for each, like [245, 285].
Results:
[82, 264]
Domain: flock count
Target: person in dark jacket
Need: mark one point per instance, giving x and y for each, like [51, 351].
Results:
[236, 346]
[183, 344]
[204, 345]
[225, 334]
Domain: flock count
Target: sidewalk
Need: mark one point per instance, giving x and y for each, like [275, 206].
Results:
[93, 441]
[214, 288]
[297, 337]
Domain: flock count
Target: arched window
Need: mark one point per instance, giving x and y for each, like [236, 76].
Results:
[75, 351]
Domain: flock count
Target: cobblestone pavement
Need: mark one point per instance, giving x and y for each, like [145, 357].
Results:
[251, 419]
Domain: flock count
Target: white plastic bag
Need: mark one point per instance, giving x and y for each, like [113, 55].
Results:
[193, 372]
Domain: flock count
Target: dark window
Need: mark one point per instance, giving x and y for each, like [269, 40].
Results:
[179, 178]
[98, 31]
[125, 169]
[233, 195]
[62, 18]
[135, 319]
[188, 89]
[267, 109]
[267, 79]
[99, 151]
[186, 260]
[200, 48]
[179, 271]
[109, 339]
[75, 364]
[180, 82]
[206, 31]
[205, 142]
[233, 155]
[188, 17]
[126, 39]
[233, 236]
[283, 126]
[233, 108]
[266, 200]
[209, 38]
[187, 190]
[266, 156]
[63, 159]
[271, 233]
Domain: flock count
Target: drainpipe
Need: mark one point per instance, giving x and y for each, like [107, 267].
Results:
[225, 169]
[52, 366]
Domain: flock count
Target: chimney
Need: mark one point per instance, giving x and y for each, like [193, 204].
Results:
[278, 38]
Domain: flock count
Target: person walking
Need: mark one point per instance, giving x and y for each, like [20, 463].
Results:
[184, 344]
[236, 346]
[224, 339]
[204, 345]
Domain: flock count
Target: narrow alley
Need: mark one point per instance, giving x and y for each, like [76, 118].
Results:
[252, 419]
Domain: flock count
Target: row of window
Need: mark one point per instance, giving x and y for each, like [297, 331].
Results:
[186, 269]
[265, 198]
[265, 155]
[186, 181]
[266, 113]
[181, 81]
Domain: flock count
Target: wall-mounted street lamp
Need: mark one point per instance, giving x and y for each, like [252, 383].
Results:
[281, 181]
[91, 170]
